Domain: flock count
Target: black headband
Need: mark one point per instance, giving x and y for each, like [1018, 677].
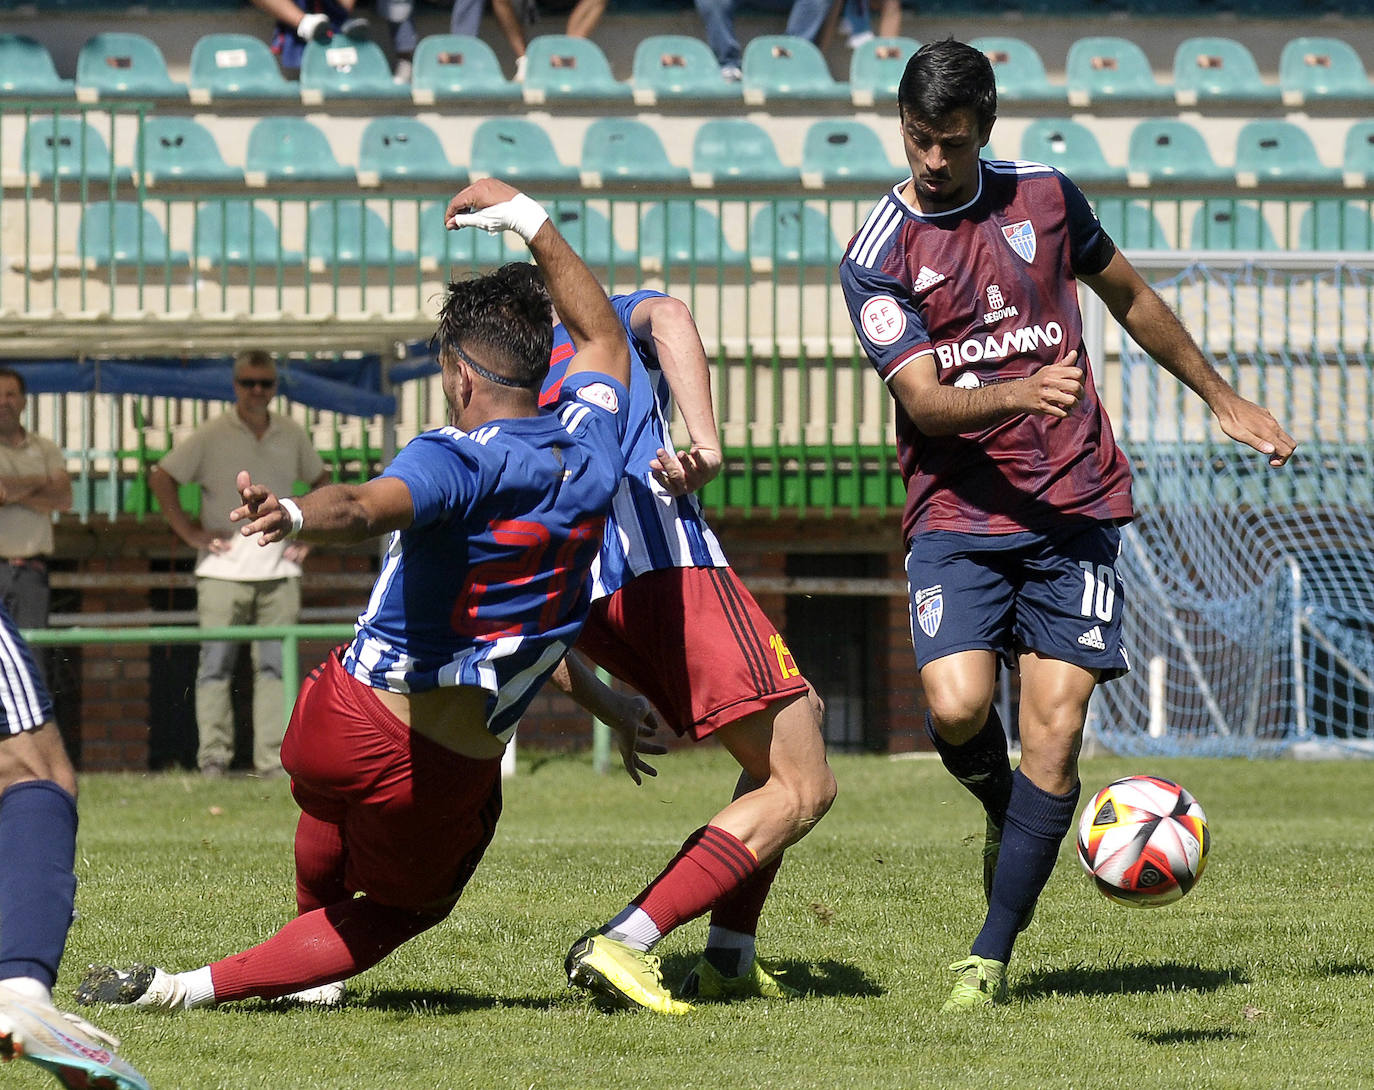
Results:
[490, 376]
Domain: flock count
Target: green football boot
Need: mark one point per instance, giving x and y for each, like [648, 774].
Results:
[620, 974]
[982, 982]
[761, 981]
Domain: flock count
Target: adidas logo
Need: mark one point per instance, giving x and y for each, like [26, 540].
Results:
[1093, 638]
[927, 278]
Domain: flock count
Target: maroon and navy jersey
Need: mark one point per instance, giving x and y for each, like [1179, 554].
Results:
[990, 290]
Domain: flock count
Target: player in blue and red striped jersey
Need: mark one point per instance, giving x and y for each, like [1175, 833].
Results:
[671, 618]
[394, 745]
[962, 287]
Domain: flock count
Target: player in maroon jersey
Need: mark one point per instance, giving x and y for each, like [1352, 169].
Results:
[962, 286]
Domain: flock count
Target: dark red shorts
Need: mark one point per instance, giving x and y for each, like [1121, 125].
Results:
[415, 817]
[694, 642]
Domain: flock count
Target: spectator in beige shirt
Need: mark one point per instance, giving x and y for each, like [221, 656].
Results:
[239, 582]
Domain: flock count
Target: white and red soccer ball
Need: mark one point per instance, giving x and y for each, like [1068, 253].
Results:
[1143, 841]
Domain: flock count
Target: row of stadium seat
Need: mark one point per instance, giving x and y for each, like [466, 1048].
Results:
[1206, 71]
[677, 232]
[626, 151]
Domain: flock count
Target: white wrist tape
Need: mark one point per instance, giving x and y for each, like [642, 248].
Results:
[521, 214]
[292, 509]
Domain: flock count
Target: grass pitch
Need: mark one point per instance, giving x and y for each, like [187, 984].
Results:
[1260, 978]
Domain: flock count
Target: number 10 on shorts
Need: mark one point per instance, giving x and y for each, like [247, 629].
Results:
[1099, 590]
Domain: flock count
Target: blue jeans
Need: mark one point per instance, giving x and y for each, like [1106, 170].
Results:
[805, 19]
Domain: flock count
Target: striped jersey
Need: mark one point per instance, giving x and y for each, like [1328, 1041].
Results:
[990, 290]
[488, 585]
[647, 529]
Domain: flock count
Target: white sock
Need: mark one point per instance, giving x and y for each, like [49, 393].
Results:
[742, 945]
[634, 928]
[29, 987]
[196, 987]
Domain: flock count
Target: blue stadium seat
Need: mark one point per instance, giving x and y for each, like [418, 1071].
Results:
[1334, 223]
[120, 65]
[469, 248]
[70, 149]
[404, 149]
[788, 232]
[290, 148]
[1132, 225]
[123, 233]
[1223, 224]
[559, 68]
[1357, 162]
[1214, 70]
[1107, 69]
[624, 150]
[236, 66]
[349, 233]
[27, 70]
[180, 149]
[678, 68]
[456, 67]
[1279, 151]
[346, 68]
[589, 232]
[684, 234]
[733, 149]
[1169, 150]
[781, 68]
[845, 150]
[876, 67]
[1019, 70]
[1071, 147]
[1322, 70]
[236, 232]
[517, 150]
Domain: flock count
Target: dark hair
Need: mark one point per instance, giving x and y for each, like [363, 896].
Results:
[945, 76]
[10, 372]
[506, 317]
[253, 358]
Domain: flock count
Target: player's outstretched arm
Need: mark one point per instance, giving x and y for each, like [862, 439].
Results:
[667, 324]
[629, 715]
[338, 513]
[582, 306]
[1157, 329]
[938, 409]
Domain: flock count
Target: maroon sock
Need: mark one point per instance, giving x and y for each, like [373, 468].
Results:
[318, 947]
[320, 859]
[710, 865]
[740, 909]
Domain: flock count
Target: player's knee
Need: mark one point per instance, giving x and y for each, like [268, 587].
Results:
[958, 714]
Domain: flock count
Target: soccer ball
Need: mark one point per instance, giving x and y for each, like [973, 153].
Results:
[1143, 841]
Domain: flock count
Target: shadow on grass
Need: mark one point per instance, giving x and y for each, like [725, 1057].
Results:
[1168, 976]
[1187, 1036]
[427, 1002]
[1345, 968]
[827, 977]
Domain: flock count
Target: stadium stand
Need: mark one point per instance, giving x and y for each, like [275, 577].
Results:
[791, 233]
[1212, 71]
[1131, 224]
[845, 150]
[288, 148]
[124, 233]
[234, 67]
[518, 150]
[404, 149]
[589, 232]
[349, 233]
[1170, 150]
[68, 148]
[1321, 70]
[559, 68]
[1225, 224]
[625, 150]
[1357, 162]
[117, 65]
[679, 69]
[733, 149]
[346, 68]
[236, 232]
[1102, 70]
[455, 67]
[1333, 223]
[1071, 147]
[782, 68]
[875, 69]
[684, 234]
[1269, 151]
[181, 149]
[27, 70]
[442, 249]
[1020, 72]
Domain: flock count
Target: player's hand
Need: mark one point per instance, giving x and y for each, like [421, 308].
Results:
[260, 506]
[296, 551]
[687, 470]
[314, 27]
[1054, 390]
[201, 538]
[635, 725]
[1255, 426]
[495, 206]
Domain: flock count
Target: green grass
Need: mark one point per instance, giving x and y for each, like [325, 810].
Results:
[1261, 977]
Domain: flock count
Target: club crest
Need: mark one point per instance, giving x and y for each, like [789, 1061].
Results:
[929, 614]
[1021, 238]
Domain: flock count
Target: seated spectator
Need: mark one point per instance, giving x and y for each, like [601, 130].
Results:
[516, 16]
[805, 19]
[300, 21]
[862, 20]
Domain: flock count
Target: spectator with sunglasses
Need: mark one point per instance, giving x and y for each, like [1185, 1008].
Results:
[237, 582]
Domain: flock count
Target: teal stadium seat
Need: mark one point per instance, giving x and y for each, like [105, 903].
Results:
[1334, 223]
[589, 232]
[180, 149]
[686, 235]
[236, 66]
[403, 149]
[1269, 151]
[1019, 70]
[1107, 69]
[517, 150]
[469, 248]
[1167, 150]
[1322, 70]
[348, 233]
[449, 67]
[27, 70]
[845, 150]
[70, 149]
[624, 150]
[1071, 147]
[1132, 225]
[559, 68]
[119, 65]
[123, 233]
[1357, 162]
[876, 67]
[678, 68]
[1222, 224]
[735, 150]
[346, 68]
[1210, 71]
[790, 233]
[290, 149]
[238, 233]
[781, 68]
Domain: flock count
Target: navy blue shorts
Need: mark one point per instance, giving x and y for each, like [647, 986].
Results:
[24, 701]
[1060, 596]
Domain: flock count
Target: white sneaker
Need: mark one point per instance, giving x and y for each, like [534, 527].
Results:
[324, 995]
[404, 70]
[731, 73]
[138, 986]
[65, 1044]
[521, 63]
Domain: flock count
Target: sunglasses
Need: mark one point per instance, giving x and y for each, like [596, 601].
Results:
[256, 383]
